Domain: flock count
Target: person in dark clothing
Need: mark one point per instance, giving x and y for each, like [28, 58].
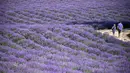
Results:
[119, 28]
[114, 29]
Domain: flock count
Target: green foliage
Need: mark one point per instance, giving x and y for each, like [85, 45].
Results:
[124, 45]
[2, 71]
[49, 34]
[105, 35]
[25, 10]
[13, 29]
[1, 32]
[114, 52]
[93, 57]
[75, 68]
[110, 61]
[13, 46]
[85, 71]
[9, 35]
[11, 13]
[16, 20]
[3, 43]
[71, 15]
[36, 21]
[99, 14]
[58, 38]
[88, 71]
[17, 39]
[129, 59]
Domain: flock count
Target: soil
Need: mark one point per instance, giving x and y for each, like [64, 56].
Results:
[125, 35]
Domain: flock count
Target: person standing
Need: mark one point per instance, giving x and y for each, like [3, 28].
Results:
[114, 29]
[119, 28]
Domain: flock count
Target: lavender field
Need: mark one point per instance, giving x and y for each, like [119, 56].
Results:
[61, 49]
[38, 36]
[63, 11]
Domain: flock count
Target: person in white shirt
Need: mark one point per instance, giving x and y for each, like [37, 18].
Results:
[114, 29]
[119, 28]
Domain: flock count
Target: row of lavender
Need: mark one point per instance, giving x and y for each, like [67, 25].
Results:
[61, 49]
[49, 16]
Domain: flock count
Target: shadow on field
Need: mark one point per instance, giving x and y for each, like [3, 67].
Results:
[128, 35]
[100, 25]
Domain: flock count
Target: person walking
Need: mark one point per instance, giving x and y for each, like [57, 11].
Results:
[114, 29]
[119, 28]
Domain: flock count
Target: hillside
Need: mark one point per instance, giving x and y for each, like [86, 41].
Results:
[59, 36]
[64, 11]
[61, 49]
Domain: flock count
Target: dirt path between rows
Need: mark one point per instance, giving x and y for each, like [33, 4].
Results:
[124, 34]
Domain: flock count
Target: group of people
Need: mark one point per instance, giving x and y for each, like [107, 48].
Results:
[119, 28]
